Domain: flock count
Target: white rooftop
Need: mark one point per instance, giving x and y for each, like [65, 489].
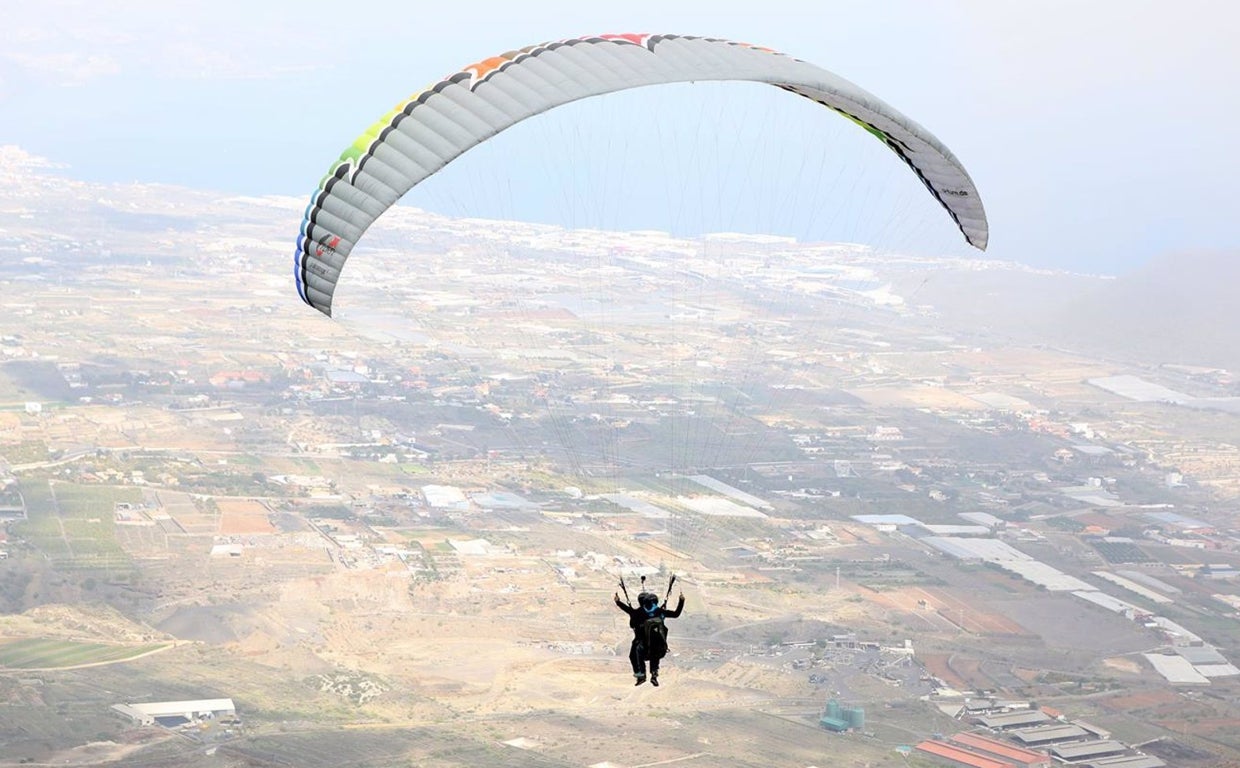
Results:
[956, 530]
[1106, 601]
[1176, 669]
[641, 507]
[886, 520]
[1042, 574]
[1217, 670]
[976, 549]
[445, 497]
[172, 708]
[980, 518]
[473, 547]
[727, 490]
[713, 505]
[1133, 587]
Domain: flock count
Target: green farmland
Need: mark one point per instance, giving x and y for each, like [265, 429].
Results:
[73, 525]
[42, 653]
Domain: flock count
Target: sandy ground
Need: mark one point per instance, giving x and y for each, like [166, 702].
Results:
[243, 517]
[941, 610]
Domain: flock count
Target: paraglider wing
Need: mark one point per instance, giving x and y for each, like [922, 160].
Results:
[433, 127]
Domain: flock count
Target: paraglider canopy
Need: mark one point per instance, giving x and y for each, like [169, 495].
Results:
[433, 127]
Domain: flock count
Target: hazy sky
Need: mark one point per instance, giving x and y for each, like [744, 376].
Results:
[1099, 133]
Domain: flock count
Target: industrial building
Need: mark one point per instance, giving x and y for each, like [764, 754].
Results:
[1014, 720]
[840, 719]
[1071, 753]
[1049, 734]
[1001, 750]
[226, 550]
[993, 706]
[1200, 654]
[173, 713]
[1127, 761]
[960, 756]
[1096, 731]
[1176, 669]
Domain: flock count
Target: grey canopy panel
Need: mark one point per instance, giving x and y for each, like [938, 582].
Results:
[433, 127]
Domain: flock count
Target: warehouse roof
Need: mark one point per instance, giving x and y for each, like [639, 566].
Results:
[1048, 733]
[1001, 749]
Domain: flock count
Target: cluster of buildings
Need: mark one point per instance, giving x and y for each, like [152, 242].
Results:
[1019, 736]
[978, 751]
[1189, 661]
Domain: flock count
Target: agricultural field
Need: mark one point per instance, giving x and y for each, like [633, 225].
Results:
[879, 575]
[243, 517]
[44, 653]
[73, 525]
[1120, 552]
[943, 609]
[33, 380]
[89, 501]
[27, 452]
[957, 670]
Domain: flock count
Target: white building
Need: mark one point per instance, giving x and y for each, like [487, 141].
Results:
[198, 709]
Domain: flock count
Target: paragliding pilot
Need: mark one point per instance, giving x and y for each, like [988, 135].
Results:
[649, 631]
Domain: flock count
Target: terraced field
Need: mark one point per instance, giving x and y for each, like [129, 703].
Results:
[73, 525]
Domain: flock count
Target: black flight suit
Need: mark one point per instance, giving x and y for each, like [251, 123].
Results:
[637, 617]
